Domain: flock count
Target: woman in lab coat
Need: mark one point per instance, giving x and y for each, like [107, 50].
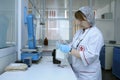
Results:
[85, 47]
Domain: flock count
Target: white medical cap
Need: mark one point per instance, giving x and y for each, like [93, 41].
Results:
[87, 11]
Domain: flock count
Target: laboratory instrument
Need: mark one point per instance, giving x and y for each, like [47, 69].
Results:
[32, 50]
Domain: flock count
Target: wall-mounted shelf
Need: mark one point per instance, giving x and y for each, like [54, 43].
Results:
[98, 19]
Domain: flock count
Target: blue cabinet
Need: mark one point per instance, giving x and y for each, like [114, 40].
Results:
[116, 62]
[106, 56]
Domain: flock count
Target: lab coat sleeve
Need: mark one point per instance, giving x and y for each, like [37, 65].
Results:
[91, 51]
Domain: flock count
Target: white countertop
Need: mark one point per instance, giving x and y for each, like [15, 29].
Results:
[112, 45]
[48, 48]
[45, 70]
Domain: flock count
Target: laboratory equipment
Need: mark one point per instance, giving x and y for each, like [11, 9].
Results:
[32, 50]
[55, 61]
[46, 41]
[28, 61]
[116, 62]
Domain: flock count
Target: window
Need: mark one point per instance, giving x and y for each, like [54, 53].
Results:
[7, 23]
[57, 29]
[56, 14]
[56, 19]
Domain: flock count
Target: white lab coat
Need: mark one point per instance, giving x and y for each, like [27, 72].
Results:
[87, 67]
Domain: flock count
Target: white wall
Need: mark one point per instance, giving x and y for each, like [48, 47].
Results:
[106, 25]
[7, 56]
[117, 21]
[106, 9]
[107, 28]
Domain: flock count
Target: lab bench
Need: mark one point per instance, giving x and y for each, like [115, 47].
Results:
[47, 50]
[44, 70]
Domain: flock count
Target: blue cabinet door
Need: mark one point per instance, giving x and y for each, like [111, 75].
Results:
[116, 62]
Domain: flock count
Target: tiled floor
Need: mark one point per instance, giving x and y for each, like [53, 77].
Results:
[107, 75]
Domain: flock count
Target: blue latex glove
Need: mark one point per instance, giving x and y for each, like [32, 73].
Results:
[64, 48]
[57, 45]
